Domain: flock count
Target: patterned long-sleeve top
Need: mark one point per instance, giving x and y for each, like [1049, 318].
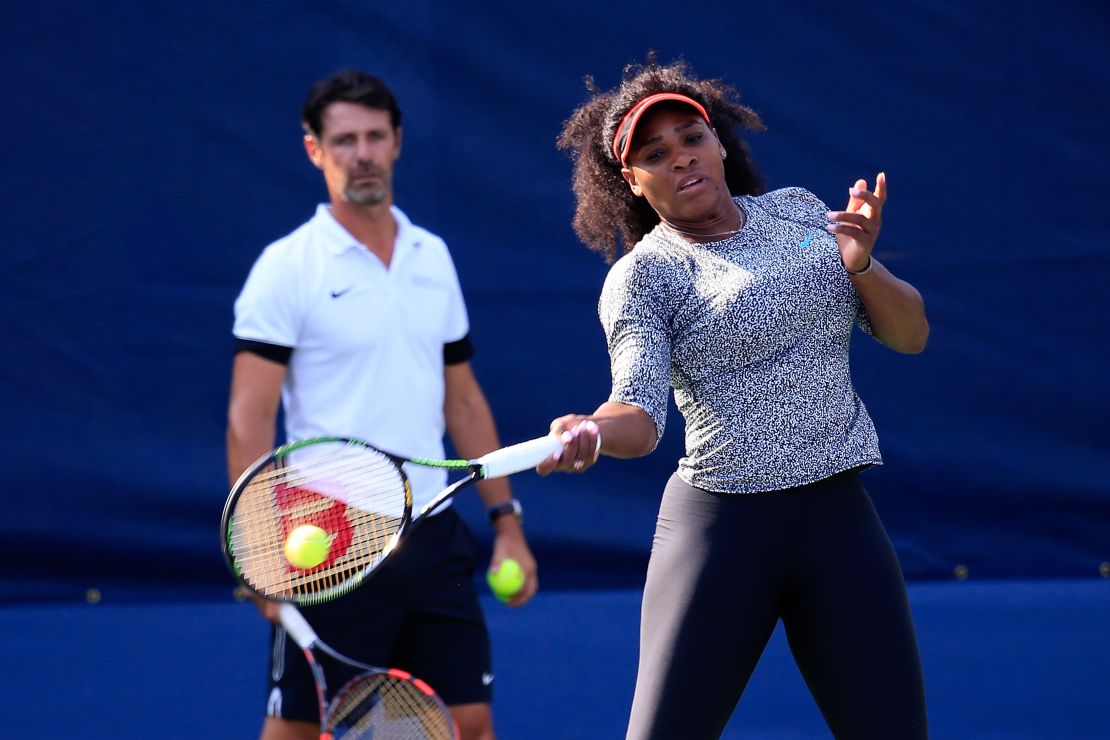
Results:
[752, 333]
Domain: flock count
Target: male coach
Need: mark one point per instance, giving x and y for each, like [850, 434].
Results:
[355, 323]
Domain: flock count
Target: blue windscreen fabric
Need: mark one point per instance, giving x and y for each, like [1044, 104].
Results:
[153, 151]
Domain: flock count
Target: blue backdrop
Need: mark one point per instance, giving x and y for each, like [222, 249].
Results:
[153, 150]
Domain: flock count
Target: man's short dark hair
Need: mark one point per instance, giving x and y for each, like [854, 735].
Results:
[347, 86]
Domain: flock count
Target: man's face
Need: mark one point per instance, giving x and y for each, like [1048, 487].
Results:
[356, 151]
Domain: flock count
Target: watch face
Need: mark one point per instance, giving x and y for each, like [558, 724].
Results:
[509, 507]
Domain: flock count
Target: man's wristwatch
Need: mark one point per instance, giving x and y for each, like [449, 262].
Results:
[512, 506]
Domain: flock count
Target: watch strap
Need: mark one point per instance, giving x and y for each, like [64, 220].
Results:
[512, 506]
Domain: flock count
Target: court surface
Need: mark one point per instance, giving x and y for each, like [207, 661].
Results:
[1002, 660]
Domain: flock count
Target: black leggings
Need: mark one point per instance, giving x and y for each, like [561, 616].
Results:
[725, 568]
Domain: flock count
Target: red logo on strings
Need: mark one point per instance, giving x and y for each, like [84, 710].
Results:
[332, 519]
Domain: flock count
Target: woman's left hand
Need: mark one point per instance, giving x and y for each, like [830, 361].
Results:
[857, 227]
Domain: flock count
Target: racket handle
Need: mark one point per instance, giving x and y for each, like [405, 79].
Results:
[518, 457]
[297, 626]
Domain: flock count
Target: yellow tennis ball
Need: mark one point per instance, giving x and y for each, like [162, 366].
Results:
[507, 580]
[307, 546]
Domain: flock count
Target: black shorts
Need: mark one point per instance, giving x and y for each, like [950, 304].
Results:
[418, 612]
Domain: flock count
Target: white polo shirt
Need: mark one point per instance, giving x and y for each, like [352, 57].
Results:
[367, 341]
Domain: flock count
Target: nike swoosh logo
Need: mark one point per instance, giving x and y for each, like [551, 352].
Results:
[487, 679]
[805, 243]
[337, 293]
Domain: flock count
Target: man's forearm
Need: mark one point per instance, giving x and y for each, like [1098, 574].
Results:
[245, 444]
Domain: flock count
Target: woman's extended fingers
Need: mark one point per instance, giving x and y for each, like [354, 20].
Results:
[859, 196]
[862, 219]
[880, 187]
[855, 202]
[844, 218]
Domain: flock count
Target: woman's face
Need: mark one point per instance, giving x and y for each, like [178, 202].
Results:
[675, 162]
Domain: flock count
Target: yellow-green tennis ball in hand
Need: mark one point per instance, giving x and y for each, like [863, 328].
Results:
[307, 546]
[507, 580]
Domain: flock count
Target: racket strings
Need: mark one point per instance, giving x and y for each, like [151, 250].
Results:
[341, 463]
[357, 495]
[384, 706]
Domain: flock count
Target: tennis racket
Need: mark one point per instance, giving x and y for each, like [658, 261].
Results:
[377, 703]
[357, 494]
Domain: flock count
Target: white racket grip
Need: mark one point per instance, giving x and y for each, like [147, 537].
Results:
[297, 626]
[518, 457]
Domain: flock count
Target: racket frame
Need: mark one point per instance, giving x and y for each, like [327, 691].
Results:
[301, 632]
[501, 462]
[275, 457]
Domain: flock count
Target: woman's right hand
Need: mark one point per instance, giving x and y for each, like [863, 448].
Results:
[581, 440]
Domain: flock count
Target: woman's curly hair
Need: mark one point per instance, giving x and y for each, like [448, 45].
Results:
[605, 208]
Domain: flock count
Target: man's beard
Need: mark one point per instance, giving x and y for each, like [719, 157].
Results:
[367, 195]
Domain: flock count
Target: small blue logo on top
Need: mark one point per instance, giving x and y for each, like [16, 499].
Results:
[807, 241]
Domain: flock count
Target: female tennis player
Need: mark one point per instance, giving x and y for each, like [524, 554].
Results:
[743, 302]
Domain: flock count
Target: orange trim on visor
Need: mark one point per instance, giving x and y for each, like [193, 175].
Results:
[622, 140]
